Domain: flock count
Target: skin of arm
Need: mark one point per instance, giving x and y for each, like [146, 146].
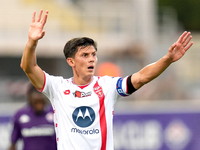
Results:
[175, 52]
[12, 147]
[29, 61]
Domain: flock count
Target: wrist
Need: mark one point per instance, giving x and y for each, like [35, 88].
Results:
[32, 43]
[168, 59]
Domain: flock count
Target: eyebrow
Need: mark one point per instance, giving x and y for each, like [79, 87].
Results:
[86, 52]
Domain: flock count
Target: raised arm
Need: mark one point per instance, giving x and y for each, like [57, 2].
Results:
[175, 52]
[29, 61]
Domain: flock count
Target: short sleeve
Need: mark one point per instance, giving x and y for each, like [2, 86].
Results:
[47, 89]
[51, 85]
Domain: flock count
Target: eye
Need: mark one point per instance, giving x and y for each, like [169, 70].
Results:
[93, 54]
[84, 55]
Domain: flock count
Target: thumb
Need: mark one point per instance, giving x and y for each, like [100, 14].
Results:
[42, 34]
[172, 47]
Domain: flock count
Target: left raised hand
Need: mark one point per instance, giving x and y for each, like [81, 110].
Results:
[178, 49]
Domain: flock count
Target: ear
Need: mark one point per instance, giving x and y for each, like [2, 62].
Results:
[70, 61]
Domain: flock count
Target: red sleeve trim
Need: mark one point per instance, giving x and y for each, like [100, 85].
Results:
[43, 84]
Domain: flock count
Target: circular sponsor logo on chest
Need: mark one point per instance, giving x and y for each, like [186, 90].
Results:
[83, 116]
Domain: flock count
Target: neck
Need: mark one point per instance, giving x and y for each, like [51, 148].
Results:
[82, 81]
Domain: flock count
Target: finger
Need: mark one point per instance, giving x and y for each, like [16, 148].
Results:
[186, 48]
[186, 37]
[172, 47]
[39, 16]
[44, 19]
[187, 41]
[33, 17]
[180, 39]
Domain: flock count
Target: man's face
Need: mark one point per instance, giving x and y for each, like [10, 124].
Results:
[85, 61]
[38, 102]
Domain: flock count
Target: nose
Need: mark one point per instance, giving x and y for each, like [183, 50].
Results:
[91, 59]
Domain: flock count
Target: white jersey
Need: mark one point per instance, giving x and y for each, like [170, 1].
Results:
[83, 117]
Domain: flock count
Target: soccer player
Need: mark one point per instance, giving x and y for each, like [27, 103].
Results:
[84, 104]
[34, 124]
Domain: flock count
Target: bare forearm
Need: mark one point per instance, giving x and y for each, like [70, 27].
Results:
[30, 67]
[28, 60]
[150, 72]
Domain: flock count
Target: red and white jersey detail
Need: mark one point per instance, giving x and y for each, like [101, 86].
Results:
[83, 116]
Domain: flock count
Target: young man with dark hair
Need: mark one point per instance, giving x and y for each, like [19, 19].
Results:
[33, 124]
[72, 46]
[84, 104]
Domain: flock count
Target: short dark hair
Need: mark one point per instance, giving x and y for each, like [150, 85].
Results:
[71, 47]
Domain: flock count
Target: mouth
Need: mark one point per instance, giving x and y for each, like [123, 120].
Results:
[91, 67]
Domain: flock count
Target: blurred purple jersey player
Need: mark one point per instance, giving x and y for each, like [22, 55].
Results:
[34, 124]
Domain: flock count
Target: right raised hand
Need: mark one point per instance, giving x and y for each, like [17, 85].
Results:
[36, 31]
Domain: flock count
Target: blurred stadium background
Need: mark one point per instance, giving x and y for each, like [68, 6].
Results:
[162, 115]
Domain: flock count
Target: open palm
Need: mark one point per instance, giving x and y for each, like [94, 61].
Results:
[36, 31]
[178, 49]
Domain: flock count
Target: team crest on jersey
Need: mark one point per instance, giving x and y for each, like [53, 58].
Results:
[83, 116]
[81, 94]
